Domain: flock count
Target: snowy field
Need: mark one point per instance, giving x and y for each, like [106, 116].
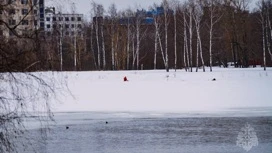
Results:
[155, 111]
[158, 91]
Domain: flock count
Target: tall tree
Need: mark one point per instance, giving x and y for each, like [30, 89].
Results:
[215, 16]
[198, 14]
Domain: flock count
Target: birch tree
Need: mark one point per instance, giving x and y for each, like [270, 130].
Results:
[215, 16]
[73, 8]
[100, 9]
[262, 21]
[113, 16]
[96, 16]
[166, 10]
[174, 6]
[198, 14]
[157, 39]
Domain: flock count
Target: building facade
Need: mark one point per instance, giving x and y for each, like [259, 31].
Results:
[21, 17]
[68, 24]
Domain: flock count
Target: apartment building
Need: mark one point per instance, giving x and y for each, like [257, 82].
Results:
[68, 24]
[25, 15]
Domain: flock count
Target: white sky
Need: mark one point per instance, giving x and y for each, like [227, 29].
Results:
[83, 6]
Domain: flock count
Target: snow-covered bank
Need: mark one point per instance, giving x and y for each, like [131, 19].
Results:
[159, 91]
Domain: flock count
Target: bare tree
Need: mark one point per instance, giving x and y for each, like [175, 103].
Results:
[262, 20]
[113, 16]
[215, 17]
[174, 6]
[198, 14]
[24, 95]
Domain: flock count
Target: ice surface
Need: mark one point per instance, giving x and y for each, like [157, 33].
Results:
[159, 91]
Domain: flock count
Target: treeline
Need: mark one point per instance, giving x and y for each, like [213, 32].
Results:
[170, 35]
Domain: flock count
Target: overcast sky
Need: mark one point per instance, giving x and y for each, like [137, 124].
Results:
[83, 6]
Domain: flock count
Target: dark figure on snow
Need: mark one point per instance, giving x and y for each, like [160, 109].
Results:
[125, 79]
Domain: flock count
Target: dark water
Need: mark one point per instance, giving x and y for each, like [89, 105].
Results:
[137, 133]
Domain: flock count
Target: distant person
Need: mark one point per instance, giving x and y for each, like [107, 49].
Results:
[125, 79]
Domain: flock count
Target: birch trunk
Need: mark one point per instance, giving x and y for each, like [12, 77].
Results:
[103, 45]
[166, 40]
[191, 39]
[128, 42]
[175, 39]
[60, 48]
[75, 52]
[97, 42]
[112, 47]
[156, 49]
[263, 34]
[137, 42]
[185, 43]
[92, 48]
[269, 29]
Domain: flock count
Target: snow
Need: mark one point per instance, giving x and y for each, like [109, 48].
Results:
[159, 91]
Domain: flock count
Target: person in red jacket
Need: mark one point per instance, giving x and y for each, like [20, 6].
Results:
[125, 79]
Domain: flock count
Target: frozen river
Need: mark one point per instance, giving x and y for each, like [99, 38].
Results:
[123, 132]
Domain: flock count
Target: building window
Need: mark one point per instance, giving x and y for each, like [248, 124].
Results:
[35, 12]
[72, 33]
[67, 33]
[78, 18]
[67, 26]
[35, 22]
[24, 1]
[42, 16]
[11, 1]
[79, 26]
[48, 26]
[54, 19]
[72, 19]
[54, 26]
[24, 11]
[66, 18]
[12, 22]
[42, 24]
[48, 19]
[60, 18]
[72, 26]
[35, 2]
[11, 11]
[60, 26]
[25, 22]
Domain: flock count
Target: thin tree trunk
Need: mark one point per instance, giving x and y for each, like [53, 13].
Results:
[166, 40]
[197, 54]
[155, 51]
[191, 40]
[269, 29]
[201, 53]
[210, 44]
[112, 47]
[92, 48]
[103, 45]
[163, 57]
[98, 45]
[75, 52]
[128, 42]
[263, 29]
[185, 43]
[175, 26]
[137, 45]
[61, 55]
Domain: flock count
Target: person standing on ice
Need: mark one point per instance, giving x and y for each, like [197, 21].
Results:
[125, 79]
